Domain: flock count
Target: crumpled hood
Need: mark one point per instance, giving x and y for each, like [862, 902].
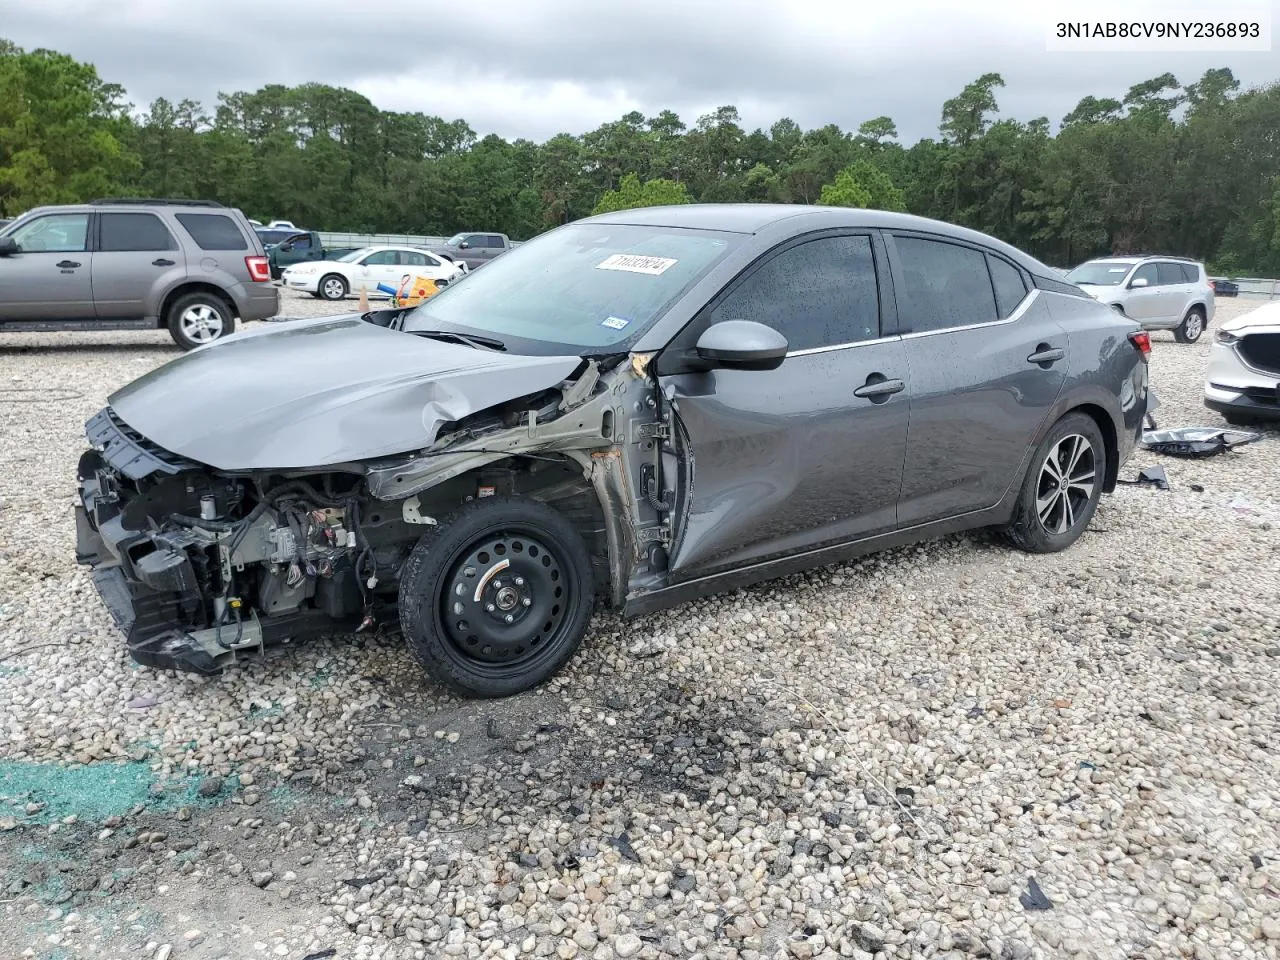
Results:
[1263, 319]
[309, 394]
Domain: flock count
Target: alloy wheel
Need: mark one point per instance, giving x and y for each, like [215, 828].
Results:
[334, 288]
[1066, 483]
[1193, 325]
[201, 323]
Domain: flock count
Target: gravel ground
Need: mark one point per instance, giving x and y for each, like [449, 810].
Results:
[868, 760]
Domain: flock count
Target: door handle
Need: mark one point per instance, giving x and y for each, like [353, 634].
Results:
[878, 388]
[67, 264]
[1046, 354]
[162, 262]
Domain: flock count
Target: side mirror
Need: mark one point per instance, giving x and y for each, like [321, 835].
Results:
[8, 246]
[743, 345]
[465, 245]
[1138, 282]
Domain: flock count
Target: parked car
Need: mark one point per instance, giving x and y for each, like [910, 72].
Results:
[281, 225]
[648, 405]
[187, 266]
[1226, 288]
[302, 247]
[473, 249]
[1161, 293]
[1243, 379]
[256, 224]
[366, 268]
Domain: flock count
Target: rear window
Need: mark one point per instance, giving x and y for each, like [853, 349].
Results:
[213, 231]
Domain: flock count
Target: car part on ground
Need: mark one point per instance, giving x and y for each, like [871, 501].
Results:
[1196, 441]
[625, 425]
[1159, 292]
[187, 266]
[1242, 381]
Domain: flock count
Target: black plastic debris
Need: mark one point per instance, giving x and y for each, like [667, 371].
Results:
[1151, 476]
[1034, 898]
[622, 843]
[321, 955]
[1196, 441]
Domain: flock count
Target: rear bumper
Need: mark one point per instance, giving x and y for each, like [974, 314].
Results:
[258, 301]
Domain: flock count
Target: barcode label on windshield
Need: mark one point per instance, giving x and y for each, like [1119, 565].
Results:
[634, 263]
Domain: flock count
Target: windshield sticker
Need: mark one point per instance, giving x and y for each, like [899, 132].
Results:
[616, 323]
[635, 263]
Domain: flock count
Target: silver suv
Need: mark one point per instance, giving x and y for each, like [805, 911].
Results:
[1161, 293]
[191, 267]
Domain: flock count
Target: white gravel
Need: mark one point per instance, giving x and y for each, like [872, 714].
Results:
[867, 760]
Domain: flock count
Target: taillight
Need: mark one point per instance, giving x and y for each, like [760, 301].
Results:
[1141, 340]
[259, 269]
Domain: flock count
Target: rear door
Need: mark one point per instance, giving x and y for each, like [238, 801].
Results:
[49, 277]
[136, 255]
[1175, 289]
[986, 362]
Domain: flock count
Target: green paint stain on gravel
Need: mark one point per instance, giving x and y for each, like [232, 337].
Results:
[91, 793]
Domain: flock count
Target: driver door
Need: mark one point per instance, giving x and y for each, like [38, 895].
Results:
[804, 455]
[50, 277]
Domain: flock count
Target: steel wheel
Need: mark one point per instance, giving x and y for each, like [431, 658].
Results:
[504, 602]
[1066, 484]
[201, 323]
[333, 288]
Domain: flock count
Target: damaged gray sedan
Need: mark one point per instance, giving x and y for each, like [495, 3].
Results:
[643, 407]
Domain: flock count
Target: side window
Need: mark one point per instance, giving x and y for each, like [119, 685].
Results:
[820, 293]
[1148, 273]
[944, 285]
[56, 233]
[133, 231]
[409, 258]
[301, 241]
[1190, 273]
[214, 231]
[1010, 288]
[1171, 273]
[383, 258]
[493, 242]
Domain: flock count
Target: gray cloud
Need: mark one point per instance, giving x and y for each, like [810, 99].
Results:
[532, 70]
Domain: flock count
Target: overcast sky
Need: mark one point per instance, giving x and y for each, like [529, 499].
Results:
[536, 68]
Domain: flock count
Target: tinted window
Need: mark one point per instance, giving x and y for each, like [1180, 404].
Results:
[1009, 285]
[134, 231]
[493, 242]
[410, 259]
[56, 233]
[1190, 273]
[1171, 273]
[1148, 273]
[816, 294]
[944, 285]
[383, 258]
[213, 231]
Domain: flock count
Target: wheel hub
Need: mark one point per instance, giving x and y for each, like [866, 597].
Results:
[504, 599]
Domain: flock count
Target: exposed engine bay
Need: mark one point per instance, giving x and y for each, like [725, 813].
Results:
[199, 565]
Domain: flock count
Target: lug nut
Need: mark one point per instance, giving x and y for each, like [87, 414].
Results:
[490, 607]
[528, 602]
[510, 618]
[519, 581]
[497, 584]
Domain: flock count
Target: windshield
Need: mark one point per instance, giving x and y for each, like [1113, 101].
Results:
[1107, 273]
[354, 255]
[580, 289]
[456, 239]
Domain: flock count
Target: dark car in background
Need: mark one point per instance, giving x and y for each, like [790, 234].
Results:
[1226, 288]
[187, 266]
[646, 406]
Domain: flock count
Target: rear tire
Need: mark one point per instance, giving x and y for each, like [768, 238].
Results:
[1061, 490]
[198, 319]
[1192, 326]
[532, 575]
[332, 287]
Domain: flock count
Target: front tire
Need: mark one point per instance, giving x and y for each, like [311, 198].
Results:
[495, 599]
[1192, 326]
[332, 287]
[198, 319]
[1061, 490]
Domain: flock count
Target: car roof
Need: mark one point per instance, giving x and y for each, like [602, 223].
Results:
[750, 218]
[1142, 258]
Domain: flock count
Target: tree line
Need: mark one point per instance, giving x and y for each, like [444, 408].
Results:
[1190, 169]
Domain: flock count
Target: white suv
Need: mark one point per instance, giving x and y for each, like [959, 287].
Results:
[1161, 293]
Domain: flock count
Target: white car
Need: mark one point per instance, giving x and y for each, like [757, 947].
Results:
[1243, 379]
[1161, 293]
[365, 269]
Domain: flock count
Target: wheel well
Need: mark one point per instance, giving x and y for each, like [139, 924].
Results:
[1198, 306]
[163, 320]
[1108, 428]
